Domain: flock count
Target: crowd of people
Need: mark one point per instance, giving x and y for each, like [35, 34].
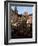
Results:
[21, 25]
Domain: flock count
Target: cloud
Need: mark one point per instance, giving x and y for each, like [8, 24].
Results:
[22, 9]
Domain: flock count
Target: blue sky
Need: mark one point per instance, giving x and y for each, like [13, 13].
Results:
[22, 9]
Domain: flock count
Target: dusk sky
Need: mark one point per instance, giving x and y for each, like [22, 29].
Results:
[22, 9]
